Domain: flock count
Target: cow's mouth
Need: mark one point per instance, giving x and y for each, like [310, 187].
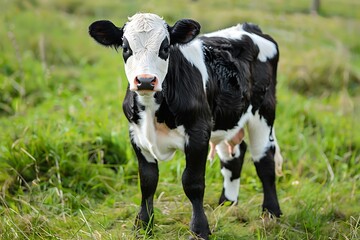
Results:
[145, 92]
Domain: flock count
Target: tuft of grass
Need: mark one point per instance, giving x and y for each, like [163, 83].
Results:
[330, 72]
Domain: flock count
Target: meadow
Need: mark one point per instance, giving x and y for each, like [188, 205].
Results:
[67, 170]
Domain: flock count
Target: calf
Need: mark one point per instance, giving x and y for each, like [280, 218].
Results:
[186, 92]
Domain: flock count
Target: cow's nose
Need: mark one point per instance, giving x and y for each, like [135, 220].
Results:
[145, 82]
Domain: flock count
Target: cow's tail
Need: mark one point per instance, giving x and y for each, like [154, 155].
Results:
[278, 160]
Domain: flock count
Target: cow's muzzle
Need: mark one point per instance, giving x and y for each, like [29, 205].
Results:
[146, 82]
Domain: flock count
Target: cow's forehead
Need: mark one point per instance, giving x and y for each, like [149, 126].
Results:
[145, 24]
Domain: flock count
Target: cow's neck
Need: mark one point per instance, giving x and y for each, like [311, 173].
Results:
[149, 102]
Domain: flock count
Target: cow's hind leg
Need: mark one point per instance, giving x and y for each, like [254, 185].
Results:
[149, 175]
[262, 147]
[231, 166]
[265, 169]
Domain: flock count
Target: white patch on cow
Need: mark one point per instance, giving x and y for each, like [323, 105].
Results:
[260, 136]
[145, 33]
[231, 187]
[267, 49]
[193, 52]
[156, 140]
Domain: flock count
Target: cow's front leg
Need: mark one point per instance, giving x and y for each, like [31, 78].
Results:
[193, 180]
[149, 175]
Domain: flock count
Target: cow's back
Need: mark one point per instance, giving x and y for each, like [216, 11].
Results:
[242, 65]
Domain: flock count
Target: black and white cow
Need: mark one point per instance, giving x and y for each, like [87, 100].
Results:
[186, 92]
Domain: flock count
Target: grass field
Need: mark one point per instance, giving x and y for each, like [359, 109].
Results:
[66, 167]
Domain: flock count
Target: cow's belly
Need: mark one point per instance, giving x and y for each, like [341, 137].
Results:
[224, 135]
[158, 141]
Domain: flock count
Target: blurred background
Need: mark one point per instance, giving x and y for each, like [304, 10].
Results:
[66, 166]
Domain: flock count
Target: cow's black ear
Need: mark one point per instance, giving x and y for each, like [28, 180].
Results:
[106, 33]
[184, 31]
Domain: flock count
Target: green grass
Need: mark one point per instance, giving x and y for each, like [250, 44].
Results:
[66, 167]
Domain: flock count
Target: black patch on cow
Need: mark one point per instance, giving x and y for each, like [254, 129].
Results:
[131, 107]
[164, 49]
[163, 114]
[127, 51]
[229, 87]
[263, 89]
[184, 92]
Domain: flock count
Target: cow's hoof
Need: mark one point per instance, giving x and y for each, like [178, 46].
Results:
[200, 228]
[270, 218]
[198, 237]
[223, 201]
[143, 227]
[274, 212]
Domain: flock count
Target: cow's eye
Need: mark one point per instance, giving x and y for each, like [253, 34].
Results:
[164, 52]
[127, 52]
[164, 49]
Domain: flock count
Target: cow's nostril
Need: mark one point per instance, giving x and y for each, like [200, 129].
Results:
[153, 81]
[137, 81]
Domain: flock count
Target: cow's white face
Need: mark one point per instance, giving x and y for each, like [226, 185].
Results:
[146, 44]
[146, 41]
